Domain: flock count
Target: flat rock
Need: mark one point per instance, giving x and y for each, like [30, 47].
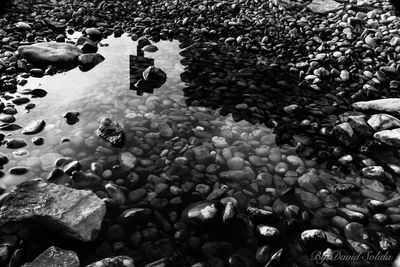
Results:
[34, 127]
[391, 105]
[119, 261]
[389, 137]
[55, 257]
[324, 6]
[75, 213]
[381, 122]
[62, 55]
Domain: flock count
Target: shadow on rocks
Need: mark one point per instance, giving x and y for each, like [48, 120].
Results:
[253, 89]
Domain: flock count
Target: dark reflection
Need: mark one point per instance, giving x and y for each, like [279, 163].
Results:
[244, 85]
[144, 77]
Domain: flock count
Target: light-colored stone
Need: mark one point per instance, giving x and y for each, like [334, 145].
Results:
[74, 213]
[55, 257]
[324, 6]
[391, 105]
[389, 137]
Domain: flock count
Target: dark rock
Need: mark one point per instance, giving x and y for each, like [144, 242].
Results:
[3, 159]
[18, 170]
[37, 92]
[15, 143]
[20, 100]
[111, 131]
[72, 117]
[38, 141]
[118, 261]
[36, 72]
[34, 127]
[135, 216]
[89, 61]
[94, 34]
[216, 249]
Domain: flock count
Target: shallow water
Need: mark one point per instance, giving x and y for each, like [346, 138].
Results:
[160, 130]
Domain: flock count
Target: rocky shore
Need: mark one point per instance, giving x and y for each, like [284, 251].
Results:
[282, 152]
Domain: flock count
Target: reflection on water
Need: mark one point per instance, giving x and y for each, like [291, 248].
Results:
[103, 91]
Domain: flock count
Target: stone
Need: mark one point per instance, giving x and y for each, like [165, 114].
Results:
[55, 25]
[150, 48]
[55, 257]
[15, 143]
[111, 131]
[71, 117]
[3, 159]
[34, 127]
[235, 163]
[155, 75]
[390, 105]
[118, 261]
[389, 137]
[94, 34]
[324, 6]
[373, 172]
[62, 55]
[89, 61]
[360, 126]
[204, 213]
[381, 122]
[37, 92]
[75, 213]
[128, 160]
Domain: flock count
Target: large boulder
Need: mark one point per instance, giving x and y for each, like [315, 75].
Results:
[75, 213]
[391, 105]
[111, 131]
[55, 257]
[62, 55]
[324, 6]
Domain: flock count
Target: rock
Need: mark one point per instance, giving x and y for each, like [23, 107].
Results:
[135, 216]
[36, 72]
[390, 105]
[71, 117]
[154, 75]
[313, 238]
[62, 55]
[118, 261]
[309, 200]
[23, 26]
[143, 41]
[268, 233]
[34, 127]
[38, 141]
[55, 257]
[15, 143]
[381, 122]
[74, 213]
[3, 159]
[37, 92]
[89, 61]
[94, 34]
[111, 131]
[55, 25]
[389, 137]
[356, 231]
[128, 160]
[345, 134]
[324, 6]
[150, 48]
[373, 172]
[18, 170]
[360, 126]
[235, 163]
[7, 118]
[204, 213]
